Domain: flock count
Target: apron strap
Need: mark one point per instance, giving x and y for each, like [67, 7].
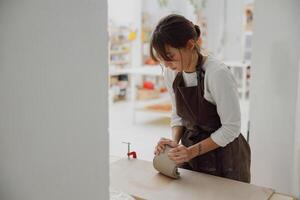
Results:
[200, 75]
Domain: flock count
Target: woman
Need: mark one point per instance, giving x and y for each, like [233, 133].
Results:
[205, 107]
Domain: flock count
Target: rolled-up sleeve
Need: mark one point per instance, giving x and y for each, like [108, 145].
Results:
[223, 89]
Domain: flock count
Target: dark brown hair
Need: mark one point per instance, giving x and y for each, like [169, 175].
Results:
[174, 30]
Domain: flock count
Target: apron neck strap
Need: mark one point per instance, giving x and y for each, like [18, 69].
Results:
[200, 74]
[199, 67]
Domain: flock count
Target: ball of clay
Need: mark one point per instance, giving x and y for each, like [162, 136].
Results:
[163, 164]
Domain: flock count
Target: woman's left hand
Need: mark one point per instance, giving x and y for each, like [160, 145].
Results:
[180, 154]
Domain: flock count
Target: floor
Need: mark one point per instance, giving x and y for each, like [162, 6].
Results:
[146, 131]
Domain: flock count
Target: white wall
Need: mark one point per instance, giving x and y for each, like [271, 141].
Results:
[214, 13]
[233, 30]
[274, 87]
[296, 166]
[53, 89]
[124, 12]
[173, 6]
[225, 25]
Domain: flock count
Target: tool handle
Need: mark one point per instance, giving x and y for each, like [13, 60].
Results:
[133, 154]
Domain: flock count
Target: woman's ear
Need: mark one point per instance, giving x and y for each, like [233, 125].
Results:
[190, 44]
[199, 41]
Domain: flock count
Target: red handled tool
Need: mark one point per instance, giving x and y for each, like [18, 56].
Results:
[133, 153]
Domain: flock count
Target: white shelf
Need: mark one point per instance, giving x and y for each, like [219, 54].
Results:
[116, 72]
[236, 64]
[141, 106]
[160, 113]
[151, 70]
[120, 42]
[119, 62]
[119, 52]
[156, 70]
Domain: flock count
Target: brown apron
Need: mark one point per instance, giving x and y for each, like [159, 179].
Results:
[200, 119]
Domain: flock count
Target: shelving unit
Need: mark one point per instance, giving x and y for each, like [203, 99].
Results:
[148, 70]
[241, 73]
[164, 97]
[119, 62]
[155, 72]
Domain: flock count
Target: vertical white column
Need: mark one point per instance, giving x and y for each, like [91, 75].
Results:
[274, 88]
[137, 44]
[53, 100]
[233, 30]
[296, 164]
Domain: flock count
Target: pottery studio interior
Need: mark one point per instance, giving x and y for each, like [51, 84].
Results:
[150, 99]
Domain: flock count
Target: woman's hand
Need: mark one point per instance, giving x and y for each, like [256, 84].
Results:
[161, 145]
[181, 154]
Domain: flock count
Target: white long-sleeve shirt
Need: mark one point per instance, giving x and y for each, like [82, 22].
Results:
[221, 90]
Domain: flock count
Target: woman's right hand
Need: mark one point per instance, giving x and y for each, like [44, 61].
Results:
[161, 145]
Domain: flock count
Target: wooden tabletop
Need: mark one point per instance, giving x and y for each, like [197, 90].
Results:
[139, 178]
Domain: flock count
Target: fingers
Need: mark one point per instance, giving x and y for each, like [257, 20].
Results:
[158, 150]
[179, 154]
[178, 159]
[178, 150]
[160, 147]
[165, 141]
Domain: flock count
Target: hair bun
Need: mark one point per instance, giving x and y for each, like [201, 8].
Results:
[197, 28]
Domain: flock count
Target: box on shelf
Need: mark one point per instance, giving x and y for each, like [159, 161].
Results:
[162, 107]
[145, 94]
[113, 81]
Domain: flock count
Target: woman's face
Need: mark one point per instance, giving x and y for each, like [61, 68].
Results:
[180, 58]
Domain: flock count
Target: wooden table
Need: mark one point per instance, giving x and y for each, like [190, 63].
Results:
[139, 178]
